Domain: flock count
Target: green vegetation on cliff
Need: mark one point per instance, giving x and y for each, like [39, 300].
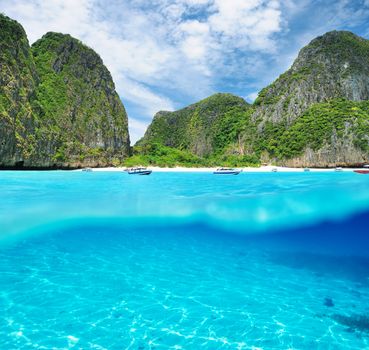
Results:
[82, 116]
[316, 105]
[58, 104]
[198, 135]
[320, 125]
[319, 106]
[164, 156]
[323, 122]
[18, 79]
[199, 128]
[157, 154]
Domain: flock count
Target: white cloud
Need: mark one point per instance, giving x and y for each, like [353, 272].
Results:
[198, 2]
[247, 23]
[195, 27]
[251, 97]
[137, 129]
[153, 102]
[62, 16]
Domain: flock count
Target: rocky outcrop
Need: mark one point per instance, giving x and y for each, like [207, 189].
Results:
[314, 114]
[58, 104]
[335, 65]
[198, 128]
[91, 123]
[332, 67]
[18, 81]
[343, 154]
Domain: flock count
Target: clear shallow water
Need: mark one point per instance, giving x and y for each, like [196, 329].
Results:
[184, 261]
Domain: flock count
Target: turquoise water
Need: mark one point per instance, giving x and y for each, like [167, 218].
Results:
[184, 261]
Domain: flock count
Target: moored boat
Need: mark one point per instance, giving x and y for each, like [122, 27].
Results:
[227, 171]
[139, 171]
[364, 171]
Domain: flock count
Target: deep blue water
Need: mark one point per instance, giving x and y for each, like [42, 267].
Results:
[184, 261]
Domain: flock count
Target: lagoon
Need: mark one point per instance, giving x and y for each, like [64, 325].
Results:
[104, 260]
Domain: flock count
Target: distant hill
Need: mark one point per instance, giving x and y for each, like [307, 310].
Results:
[314, 114]
[201, 128]
[193, 134]
[58, 104]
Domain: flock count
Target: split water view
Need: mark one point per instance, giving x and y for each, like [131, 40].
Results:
[184, 174]
[106, 260]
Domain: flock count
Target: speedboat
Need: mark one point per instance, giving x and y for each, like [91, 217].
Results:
[88, 170]
[338, 169]
[306, 170]
[139, 171]
[227, 171]
[364, 171]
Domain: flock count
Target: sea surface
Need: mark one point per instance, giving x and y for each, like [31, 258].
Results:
[107, 260]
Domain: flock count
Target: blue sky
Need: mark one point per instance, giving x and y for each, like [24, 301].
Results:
[164, 55]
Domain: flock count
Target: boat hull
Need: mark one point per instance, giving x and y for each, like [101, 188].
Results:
[226, 172]
[362, 171]
[144, 172]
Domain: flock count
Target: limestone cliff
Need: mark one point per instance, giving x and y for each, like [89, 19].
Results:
[18, 80]
[58, 104]
[323, 88]
[201, 128]
[335, 65]
[77, 99]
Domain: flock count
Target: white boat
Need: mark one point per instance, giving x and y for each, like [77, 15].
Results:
[274, 170]
[88, 170]
[139, 171]
[338, 169]
[306, 169]
[227, 171]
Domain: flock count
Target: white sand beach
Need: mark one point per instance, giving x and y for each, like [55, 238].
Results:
[262, 169]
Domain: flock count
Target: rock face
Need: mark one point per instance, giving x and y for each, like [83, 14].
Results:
[315, 114]
[198, 128]
[59, 107]
[78, 95]
[18, 80]
[335, 65]
[332, 69]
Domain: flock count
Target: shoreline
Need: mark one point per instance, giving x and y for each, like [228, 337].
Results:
[262, 169]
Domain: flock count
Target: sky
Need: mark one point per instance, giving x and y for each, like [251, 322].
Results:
[167, 54]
